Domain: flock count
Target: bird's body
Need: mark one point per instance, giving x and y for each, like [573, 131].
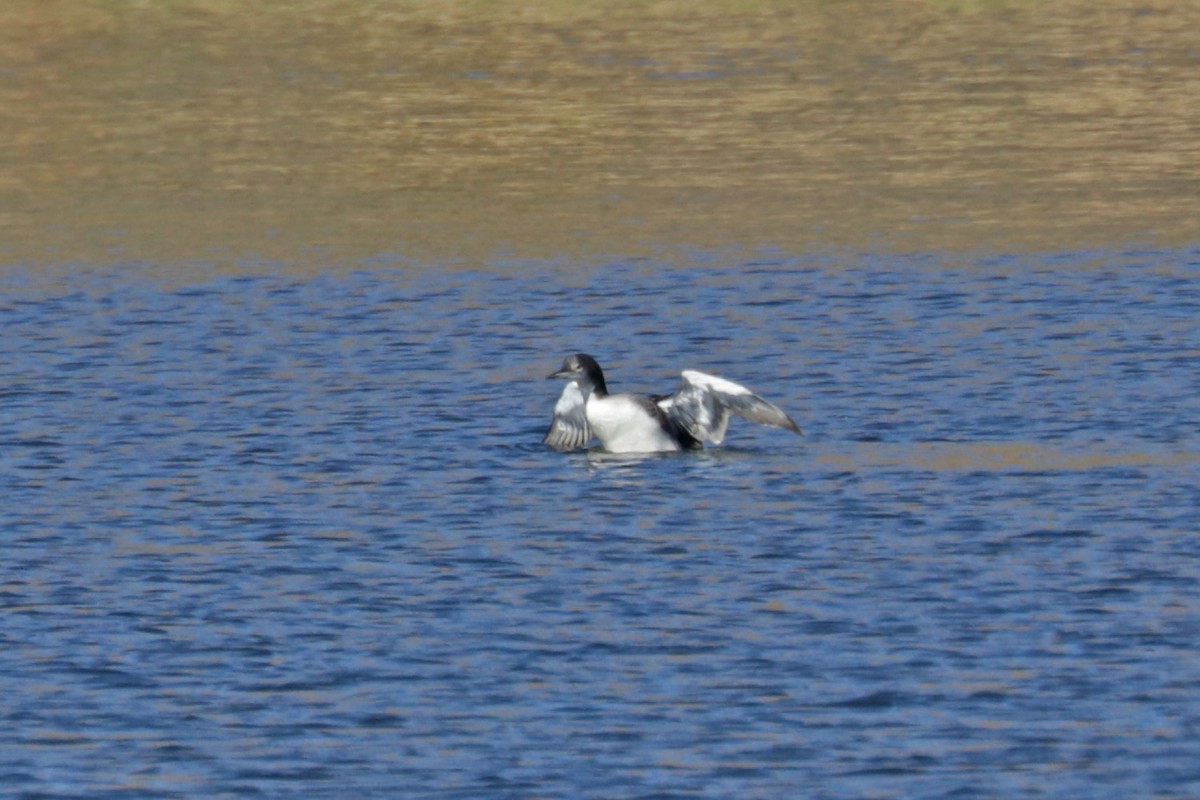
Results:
[627, 423]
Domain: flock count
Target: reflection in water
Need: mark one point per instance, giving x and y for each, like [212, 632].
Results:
[314, 133]
[1014, 456]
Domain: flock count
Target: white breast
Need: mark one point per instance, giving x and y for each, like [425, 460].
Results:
[623, 425]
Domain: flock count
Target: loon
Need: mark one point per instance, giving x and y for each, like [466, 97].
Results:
[627, 423]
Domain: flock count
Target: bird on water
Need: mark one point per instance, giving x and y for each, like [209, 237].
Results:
[628, 423]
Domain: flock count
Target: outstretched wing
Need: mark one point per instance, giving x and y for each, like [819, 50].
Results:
[569, 430]
[703, 405]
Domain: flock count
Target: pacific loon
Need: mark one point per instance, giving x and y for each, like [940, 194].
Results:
[627, 423]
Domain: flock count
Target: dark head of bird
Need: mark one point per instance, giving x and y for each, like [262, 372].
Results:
[583, 370]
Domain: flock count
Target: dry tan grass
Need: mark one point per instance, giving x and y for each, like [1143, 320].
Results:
[179, 129]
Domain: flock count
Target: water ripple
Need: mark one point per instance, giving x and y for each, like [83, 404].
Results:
[277, 537]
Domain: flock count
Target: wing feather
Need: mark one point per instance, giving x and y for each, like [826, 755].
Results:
[704, 403]
[569, 429]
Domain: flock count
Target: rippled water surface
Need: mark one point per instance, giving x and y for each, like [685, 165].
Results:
[270, 536]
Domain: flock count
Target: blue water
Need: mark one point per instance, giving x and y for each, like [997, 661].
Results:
[296, 537]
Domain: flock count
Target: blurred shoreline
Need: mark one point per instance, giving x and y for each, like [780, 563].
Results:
[457, 134]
